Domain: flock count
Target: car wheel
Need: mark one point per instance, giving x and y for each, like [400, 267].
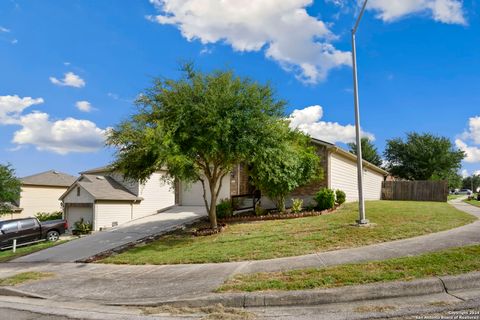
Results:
[53, 235]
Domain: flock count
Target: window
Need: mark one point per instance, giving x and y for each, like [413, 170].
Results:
[9, 227]
[78, 191]
[27, 224]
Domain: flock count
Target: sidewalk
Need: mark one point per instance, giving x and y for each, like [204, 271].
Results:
[131, 284]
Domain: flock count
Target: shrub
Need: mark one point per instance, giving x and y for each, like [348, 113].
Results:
[47, 216]
[82, 227]
[325, 199]
[341, 196]
[297, 205]
[224, 209]
[259, 211]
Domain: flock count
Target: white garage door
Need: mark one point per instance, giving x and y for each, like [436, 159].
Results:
[343, 176]
[75, 214]
[192, 195]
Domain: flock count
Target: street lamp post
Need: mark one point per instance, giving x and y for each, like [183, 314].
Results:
[361, 200]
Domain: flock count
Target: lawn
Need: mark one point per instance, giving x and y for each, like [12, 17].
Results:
[24, 277]
[441, 263]
[455, 196]
[22, 251]
[281, 238]
[473, 202]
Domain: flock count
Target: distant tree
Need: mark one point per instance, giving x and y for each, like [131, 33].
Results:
[198, 128]
[287, 161]
[455, 181]
[369, 151]
[471, 182]
[9, 188]
[422, 157]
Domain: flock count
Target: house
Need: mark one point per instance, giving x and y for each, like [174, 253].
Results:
[40, 193]
[339, 172]
[105, 199]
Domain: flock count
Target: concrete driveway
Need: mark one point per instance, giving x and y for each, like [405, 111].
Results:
[83, 248]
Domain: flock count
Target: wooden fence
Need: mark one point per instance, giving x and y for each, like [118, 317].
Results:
[415, 190]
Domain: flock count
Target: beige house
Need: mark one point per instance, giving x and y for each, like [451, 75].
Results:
[106, 199]
[40, 193]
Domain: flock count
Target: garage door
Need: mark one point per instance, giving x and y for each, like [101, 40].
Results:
[192, 195]
[75, 214]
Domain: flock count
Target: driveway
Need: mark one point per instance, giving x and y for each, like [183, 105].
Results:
[83, 248]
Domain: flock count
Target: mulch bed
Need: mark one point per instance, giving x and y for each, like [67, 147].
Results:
[277, 216]
[209, 231]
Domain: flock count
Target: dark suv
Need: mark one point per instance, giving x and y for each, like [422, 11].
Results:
[30, 230]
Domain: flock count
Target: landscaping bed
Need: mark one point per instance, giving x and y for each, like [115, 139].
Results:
[447, 262]
[276, 216]
[256, 240]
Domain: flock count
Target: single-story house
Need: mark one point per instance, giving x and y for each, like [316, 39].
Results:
[40, 193]
[106, 199]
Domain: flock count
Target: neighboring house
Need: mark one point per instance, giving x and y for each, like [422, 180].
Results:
[40, 193]
[106, 200]
[339, 172]
[13, 210]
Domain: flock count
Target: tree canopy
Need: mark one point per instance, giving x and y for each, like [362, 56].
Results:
[472, 182]
[423, 157]
[197, 127]
[10, 187]
[369, 151]
[287, 161]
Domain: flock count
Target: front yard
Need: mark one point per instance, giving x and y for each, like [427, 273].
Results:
[475, 203]
[441, 263]
[281, 238]
[7, 255]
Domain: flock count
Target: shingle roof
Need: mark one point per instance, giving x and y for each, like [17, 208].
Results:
[105, 188]
[49, 178]
[11, 207]
[97, 170]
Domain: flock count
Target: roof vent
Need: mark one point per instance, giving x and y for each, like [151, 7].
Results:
[56, 172]
[100, 178]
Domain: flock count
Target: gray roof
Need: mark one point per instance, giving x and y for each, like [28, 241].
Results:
[10, 206]
[49, 178]
[97, 170]
[105, 188]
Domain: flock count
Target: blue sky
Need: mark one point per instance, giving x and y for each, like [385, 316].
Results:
[71, 69]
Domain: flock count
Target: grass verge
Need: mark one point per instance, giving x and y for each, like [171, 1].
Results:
[24, 277]
[475, 203]
[441, 263]
[281, 238]
[7, 255]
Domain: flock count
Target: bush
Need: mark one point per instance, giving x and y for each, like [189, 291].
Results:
[82, 227]
[325, 199]
[297, 205]
[259, 211]
[341, 196]
[224, 209]
[47, 216]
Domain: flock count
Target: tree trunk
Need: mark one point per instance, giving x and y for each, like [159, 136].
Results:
[281, 204]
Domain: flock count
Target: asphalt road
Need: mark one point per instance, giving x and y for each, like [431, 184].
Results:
[10, 314]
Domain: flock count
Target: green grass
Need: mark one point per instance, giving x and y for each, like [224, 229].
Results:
[281, 238]
[455, 196]
[7, 255]
[24, 277]
[475, 203]
[441, 263]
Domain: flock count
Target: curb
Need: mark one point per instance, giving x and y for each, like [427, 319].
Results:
[11, 292]
[326, 296]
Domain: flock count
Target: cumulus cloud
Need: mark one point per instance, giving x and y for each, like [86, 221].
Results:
[469, 140]
[61, 136]
[84, 106]
[283, 30]
[309, 121]
[12, 106]
[446, 11]
[70, 79]
[3, 29]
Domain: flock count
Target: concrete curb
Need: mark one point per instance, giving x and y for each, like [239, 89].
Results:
[326, 296]
[12, 292]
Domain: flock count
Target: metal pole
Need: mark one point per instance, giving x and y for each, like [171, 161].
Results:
[362, 220]
[14, 248]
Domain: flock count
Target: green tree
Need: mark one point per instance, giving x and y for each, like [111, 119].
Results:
[369, 151]
[287, 161]
[471, 182]
[197, 127]
[10, 187]
[455, 180]
[422, 157]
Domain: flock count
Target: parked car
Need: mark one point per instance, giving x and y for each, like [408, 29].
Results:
[464, 191]
[30, 230]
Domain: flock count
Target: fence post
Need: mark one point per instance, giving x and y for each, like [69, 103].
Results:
[14, 245]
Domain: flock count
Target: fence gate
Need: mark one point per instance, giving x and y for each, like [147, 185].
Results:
[415, 190]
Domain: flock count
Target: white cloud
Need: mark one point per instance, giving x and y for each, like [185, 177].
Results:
[3, 29]
[477, 173]
[469, 140]
[464, 173]
[84, 106]
[283, 30]
[12, 106]
[309, 121]
[472, 152]
[473, 132]
[61, 136]
[446, 11]
[70, 79]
